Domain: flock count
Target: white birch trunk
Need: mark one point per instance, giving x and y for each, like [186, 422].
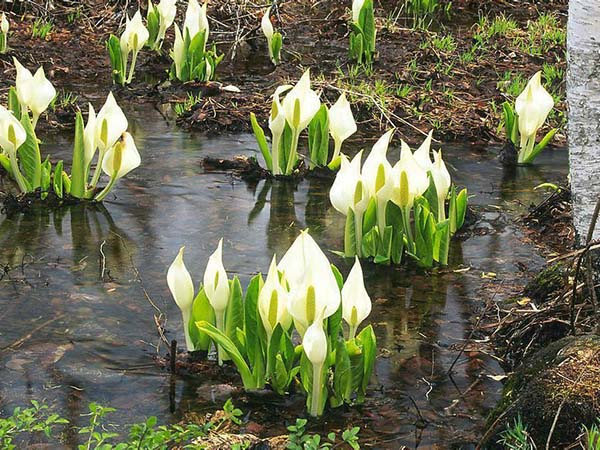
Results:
[583, 96]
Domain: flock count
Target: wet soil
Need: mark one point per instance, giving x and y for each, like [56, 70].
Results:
[415, 84]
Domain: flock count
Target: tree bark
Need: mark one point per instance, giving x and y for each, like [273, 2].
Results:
[583, 97]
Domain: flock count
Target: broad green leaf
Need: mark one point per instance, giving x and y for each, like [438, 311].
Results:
[234, 315]
[342, 376]
[541, 145]
[46, 175]
[350, 235]
[259, 134]
[13, 102]
[368, 342]
[442, 242]
[78, 169]
[57, 179]
[228, 345]
[370, 216]
[5, 162]
[255, 333]
[29, 155]
[318, 138]
[201, 311]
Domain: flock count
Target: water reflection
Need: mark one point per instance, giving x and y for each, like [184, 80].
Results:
[76, 324]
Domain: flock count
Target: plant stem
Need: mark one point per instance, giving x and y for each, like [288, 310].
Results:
[293, 153]
[132, 68]
[336, 150]
[441, 210]
[317, 389]
[186, 322]
[220, 316]
[106, 190]
[352, 331]
[275, 153]
[14, 165]
[97, 169]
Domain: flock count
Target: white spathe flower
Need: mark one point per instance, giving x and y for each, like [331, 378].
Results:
[356, 303]
[121, 158]
[348, 190]
[135, 35]
[266, 25]
[377, 173]
[272, 302]
[178, 52]
[277, 116]
[422, 154]
[34, 92]
[196, 19]
[4, 25]
[313, 286]
[314, 343]
[442, 181]
[533, 106]
[356, 8]
[301, 104]
[22, 80]
[111, 123]
[89, 137]
[341, 123]
[411, 181]
[12, 133]
[167, 9]
[216, 283]
[181, 286]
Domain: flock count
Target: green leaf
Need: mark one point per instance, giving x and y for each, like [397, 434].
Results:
[541, 145]
[368, 342]
[442, 242]
[29, 155]
[370, 242]
[318, 138]
[431, 196]
[370, 216]
[5, 162]
[234, 314]
[57, 179]
[116, 59]
[201, 311]
[367, 23]
[231, 349]
[259, 134]
[13, 102]
[342, 376]
[276, 45]
[394, 219]
[45, 179]
[153, 25]
[78, 169]
[255, 333]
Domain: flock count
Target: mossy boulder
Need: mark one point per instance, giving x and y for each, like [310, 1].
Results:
[563, 376]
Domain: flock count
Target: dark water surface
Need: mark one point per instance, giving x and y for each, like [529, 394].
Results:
[76, 319]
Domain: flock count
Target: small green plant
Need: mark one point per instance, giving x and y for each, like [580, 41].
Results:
[41, 28]
[363, 32]
[64, 100]
[523, 121]
[191, 59]
[187, 105]
[35, 419]
[516, 437]
[592, 436]
[73, 16]
[299, 439]
[132, 40]
[159, 18]
[274, 39]
[424, 11]
[4, 27]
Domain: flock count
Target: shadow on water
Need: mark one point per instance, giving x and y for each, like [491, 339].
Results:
[77, 326]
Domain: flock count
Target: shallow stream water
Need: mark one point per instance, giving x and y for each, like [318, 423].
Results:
[83, 283]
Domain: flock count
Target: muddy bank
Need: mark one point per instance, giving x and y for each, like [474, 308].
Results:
[452, 78]
[547, 336]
